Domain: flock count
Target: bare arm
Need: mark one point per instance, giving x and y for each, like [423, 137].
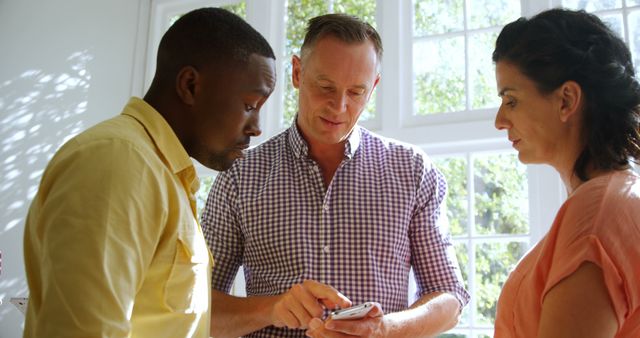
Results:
[579, 306]
[238, 316]
[432, 314]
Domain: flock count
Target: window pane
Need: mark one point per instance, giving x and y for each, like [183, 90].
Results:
[494, 261]
[437, 16]
[634, 39]
[501, 194]
[592, 5]
[363, 9]
[454, 170]
[482, 78]
[298, 14]
[633, 2]
[489, 13]
[614, 21]
[240, 9]
[438, 67]
[203, 193]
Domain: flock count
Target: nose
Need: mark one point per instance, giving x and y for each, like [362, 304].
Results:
[501, 122]
[253, 125]
[339, 102]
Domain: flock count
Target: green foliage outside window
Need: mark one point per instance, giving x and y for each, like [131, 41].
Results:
[500, 207]
[203, 193]
[298, 14]
[439, 65]
[240, 9]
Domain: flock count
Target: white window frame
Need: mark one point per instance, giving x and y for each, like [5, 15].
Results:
[439, 134]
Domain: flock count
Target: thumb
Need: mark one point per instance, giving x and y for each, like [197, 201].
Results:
[376, 311]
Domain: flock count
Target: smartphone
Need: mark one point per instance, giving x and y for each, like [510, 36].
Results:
[354, 312]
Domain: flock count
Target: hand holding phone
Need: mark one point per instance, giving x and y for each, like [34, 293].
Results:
[354, 312]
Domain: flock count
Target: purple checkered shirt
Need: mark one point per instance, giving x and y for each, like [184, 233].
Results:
[380, 215]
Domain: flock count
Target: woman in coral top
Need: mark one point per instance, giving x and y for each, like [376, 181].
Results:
[570, 99]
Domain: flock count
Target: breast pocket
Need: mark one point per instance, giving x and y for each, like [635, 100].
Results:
[187, 288]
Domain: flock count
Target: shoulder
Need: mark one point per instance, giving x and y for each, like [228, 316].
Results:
[378, 145]
[117, 145]
[607, 206]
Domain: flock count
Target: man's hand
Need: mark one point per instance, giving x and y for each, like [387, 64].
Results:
[305, 301]
[372, 325]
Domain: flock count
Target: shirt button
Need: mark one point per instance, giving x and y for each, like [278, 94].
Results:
[326, 249]
[325, 207]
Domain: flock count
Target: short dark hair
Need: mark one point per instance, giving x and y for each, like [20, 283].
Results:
[207, 35]
[347, 28]
[559, 45]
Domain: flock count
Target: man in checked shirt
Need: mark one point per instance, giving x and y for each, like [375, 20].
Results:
[329, 214]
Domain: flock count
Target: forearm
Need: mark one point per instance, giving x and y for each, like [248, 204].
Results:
[238, 316]
[429, 316]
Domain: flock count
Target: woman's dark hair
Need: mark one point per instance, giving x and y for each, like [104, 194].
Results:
[559, 45]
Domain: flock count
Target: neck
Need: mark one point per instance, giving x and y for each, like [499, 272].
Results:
[327, 156]
[167, 105]
[572, 181]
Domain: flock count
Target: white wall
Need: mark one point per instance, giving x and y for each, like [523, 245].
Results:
[65, 65]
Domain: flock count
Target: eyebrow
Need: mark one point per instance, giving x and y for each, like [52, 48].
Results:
[324, 78]
[504, 90]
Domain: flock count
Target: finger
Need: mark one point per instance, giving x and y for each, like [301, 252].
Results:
[329, 296]
[314, 326]
[300, 313]
[355, 327]
[306, 305]
[290, 320]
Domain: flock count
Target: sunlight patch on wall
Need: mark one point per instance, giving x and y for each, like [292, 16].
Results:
[39, 111]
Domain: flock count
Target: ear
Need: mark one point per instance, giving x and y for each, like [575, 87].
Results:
[296, 71]
[375, 83]
[570, 94]
[187, 82]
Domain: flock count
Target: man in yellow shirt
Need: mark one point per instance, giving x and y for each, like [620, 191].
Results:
[112, 243]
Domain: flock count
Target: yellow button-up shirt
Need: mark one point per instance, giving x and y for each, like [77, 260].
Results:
[112, 243]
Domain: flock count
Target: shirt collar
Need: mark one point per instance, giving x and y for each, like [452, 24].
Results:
[162, 135]
[301, 148]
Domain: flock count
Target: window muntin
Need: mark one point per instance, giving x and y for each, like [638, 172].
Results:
[452, 44]
[488, 210]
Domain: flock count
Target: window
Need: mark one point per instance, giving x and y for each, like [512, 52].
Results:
[488, 211]
[452, 71]
[437, 91]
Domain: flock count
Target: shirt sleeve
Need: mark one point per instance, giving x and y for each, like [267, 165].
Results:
[222, 231]
[92, 230]
[432, 254]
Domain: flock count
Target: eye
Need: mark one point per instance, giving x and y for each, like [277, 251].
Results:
[249, 108]
[509, 101]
